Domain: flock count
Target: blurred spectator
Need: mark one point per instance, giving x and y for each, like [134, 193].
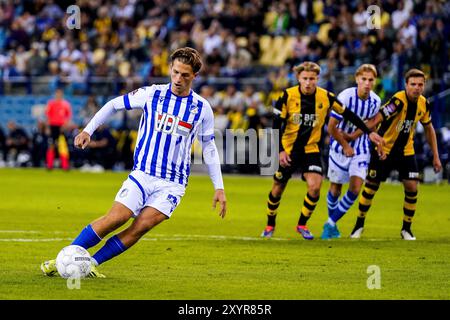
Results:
[124, 40]
[89, 109]
[39, 144]
[213, 38]
[360, 18]
[401, 15]
[101, 152]
[231, 98]
[253, 100]
[17, 145]
[220, 119]
[35, 64]
[253, 46]
[3, 148]
[281, 18]
[208, 92]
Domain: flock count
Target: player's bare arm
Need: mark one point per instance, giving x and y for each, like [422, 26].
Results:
[372, 123]
[373, 136]
[430, 135]
[285, 159]
[339, 137]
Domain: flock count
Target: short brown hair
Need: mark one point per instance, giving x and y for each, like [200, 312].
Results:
[414, 73]
[367, 67]
[307, 66]
[188, 56]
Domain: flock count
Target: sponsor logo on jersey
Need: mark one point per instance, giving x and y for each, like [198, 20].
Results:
[404, 125]
[171, 124]
[307, 120]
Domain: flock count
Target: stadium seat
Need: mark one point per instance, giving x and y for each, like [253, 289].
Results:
[265, 44]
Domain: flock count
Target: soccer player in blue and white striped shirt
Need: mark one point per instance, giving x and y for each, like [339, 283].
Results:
[173, 116]
[349, 154]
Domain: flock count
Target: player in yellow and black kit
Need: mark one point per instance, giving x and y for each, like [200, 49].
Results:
[301, 114]
[396, 122]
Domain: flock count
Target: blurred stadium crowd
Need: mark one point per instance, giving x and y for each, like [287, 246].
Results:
[249, 48]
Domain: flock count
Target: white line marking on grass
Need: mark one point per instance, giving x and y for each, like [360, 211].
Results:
[18, 231]
[158, 237]
[32, 231]
[35, 240]
[209, 237]
[155, 238]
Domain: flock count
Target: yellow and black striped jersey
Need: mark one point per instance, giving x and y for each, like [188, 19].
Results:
[400, 117]
[304, 117]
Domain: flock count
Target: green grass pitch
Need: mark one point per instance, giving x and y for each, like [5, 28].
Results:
[197, 255]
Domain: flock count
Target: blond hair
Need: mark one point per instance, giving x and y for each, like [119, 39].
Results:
[367, 67]
[307, 66]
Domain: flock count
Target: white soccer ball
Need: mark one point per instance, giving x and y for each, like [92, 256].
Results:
[73, 262]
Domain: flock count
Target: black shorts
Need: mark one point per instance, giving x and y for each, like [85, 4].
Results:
[304, 162]
[55, 131]
[406, 166]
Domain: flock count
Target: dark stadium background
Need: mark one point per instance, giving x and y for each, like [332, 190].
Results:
[248, 47]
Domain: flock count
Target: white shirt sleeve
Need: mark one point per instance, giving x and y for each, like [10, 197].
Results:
[378, 105]
[210, 152]
[133, 100]
[207, 126]
[136, 99]
[212, 160]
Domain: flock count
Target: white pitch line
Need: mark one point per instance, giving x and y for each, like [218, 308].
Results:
[32, 231]
[18, 231]
[35, 240]
[155, 237]
[164, 237]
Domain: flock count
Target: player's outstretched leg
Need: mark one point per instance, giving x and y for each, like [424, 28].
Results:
[117, 244]
[92, 234]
